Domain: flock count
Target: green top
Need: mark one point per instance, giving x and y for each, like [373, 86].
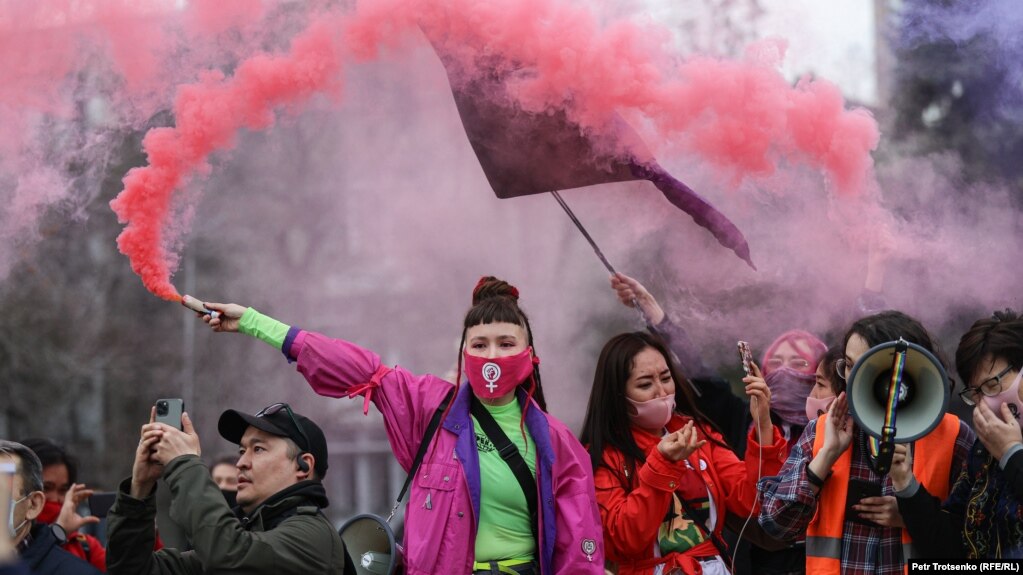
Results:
[263, 327]
[504, 531]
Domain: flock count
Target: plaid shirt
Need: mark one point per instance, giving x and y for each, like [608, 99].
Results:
[789, 504]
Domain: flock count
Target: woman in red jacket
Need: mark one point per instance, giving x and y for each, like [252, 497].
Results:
[664, 476]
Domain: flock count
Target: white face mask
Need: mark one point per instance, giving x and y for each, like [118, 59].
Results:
[10, 517]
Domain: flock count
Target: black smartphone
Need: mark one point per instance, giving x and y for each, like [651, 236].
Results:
[100, 503]
[169, 411]
[746, 356]
[860, 489]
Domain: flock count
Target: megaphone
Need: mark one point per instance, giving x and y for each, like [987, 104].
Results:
[917, 405]
[371, 545]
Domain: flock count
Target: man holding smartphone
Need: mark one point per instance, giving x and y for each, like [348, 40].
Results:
[36, 543]
[278, 526]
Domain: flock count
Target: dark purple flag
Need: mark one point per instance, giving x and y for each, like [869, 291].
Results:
[524, 153]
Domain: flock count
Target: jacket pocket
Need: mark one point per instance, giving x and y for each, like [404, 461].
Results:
[429, 515]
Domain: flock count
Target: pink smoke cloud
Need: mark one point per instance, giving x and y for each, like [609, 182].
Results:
[739, 115]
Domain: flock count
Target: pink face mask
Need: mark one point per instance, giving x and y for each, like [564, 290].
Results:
[817, 407]
[498, 376]
[1009, 397]
[652, 414]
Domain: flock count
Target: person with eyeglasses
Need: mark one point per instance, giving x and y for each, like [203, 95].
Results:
[37, 544]
[278, 526]
[980, 519]
[809, 497]
[503, 487]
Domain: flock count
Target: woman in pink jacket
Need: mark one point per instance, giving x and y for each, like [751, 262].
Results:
[526, 508]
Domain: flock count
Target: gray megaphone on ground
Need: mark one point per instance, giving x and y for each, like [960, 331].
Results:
[916, 407]
[370, 543]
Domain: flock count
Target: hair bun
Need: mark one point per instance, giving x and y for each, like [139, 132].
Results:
[1005, 315]
[490, 287]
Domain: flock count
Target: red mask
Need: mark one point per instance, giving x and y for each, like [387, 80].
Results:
[50, 512]
[498, 376]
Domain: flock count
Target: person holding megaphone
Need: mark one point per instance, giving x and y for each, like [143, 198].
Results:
[829, 488]
[981, 515]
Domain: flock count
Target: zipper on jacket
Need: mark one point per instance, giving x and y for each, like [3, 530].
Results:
[428, 504]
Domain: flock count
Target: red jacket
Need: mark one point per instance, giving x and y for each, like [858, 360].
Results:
[632, 518]
[87, 548]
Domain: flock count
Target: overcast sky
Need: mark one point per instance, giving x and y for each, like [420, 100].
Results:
[833, 39]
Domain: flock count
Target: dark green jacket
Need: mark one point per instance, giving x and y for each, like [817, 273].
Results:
[286, 534]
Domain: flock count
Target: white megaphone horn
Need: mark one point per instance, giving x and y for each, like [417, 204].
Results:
[898, 392]
[371, 545]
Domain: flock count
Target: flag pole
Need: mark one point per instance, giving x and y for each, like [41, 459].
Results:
[610, 268]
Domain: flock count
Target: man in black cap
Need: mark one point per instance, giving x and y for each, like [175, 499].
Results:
[278, 526]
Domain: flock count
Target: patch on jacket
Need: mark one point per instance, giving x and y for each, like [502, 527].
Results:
[483, 443]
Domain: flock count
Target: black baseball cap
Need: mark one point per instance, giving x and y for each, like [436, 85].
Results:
[280, 420]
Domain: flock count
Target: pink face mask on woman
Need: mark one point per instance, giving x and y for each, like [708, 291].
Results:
[1009, 397]
[817, 407]
[498, 376]
[652, 414]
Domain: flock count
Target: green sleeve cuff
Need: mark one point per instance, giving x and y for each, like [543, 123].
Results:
[263, 327]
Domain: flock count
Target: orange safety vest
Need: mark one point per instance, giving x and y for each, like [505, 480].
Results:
[824, 533]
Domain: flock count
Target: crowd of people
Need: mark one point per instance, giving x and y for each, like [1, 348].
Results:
[670, 473]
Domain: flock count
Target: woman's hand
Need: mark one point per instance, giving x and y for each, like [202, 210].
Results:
[69, 518]
[838, 433]
[882, 510]
[680, 444]
[997, 431]
[628, 289]
[902, 467]
[760, 403]
[228, 317]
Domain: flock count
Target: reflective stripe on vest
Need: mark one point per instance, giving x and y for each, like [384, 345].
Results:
[824, 533]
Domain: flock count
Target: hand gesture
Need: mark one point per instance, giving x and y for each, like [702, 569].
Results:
[146, 469]
[902, 467]
[760, 402]
[176, 442]
[228, 317]
[882, 510]
[998, 431]
[629, 290]
[681, 444]
[69, 519]
[838, 432]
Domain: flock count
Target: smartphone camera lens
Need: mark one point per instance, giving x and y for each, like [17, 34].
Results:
[162, 408]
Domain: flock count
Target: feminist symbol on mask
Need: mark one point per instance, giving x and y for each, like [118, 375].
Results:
[491, 373]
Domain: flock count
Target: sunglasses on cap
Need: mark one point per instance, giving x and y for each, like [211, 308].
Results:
[276, 408]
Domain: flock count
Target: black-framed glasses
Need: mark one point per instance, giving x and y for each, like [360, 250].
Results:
[990, 387]
[276, 408]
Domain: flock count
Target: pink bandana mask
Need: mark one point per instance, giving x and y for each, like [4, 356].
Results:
[495, 377]
[652, 414]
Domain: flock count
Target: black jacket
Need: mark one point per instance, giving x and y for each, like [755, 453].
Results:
[45, 557]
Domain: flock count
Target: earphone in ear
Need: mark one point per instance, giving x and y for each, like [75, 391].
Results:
[303, 465]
